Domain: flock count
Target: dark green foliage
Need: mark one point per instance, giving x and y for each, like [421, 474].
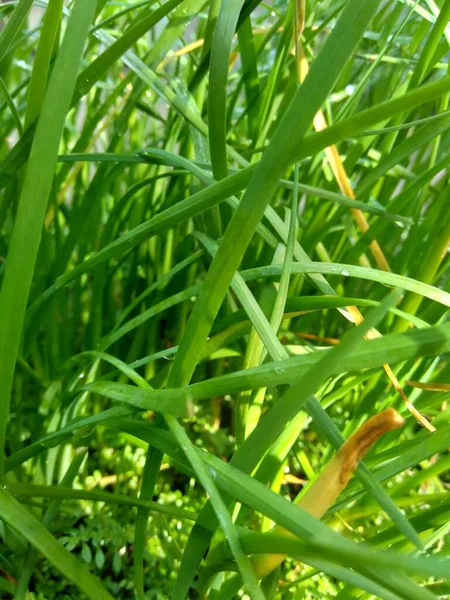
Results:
[177, 259]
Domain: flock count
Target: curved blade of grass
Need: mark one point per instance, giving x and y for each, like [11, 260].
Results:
[396, 347]
[121, 391]
[120, 13]
[63, 492]
[116, 362]
[163, 157]
[386, 278]
[389, 279]
[259, 543]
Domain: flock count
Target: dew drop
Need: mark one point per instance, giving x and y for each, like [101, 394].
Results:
[345, 272]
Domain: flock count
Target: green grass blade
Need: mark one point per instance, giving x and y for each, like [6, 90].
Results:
[389, 279]
[206, 478]
[33, 201]
[393, 348]
[218, 77]
[13, 25]
[41, 68]
[63, 492]
[12, 107]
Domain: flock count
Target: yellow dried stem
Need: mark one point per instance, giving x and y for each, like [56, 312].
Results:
[324, 491]
[431, 387]
[341, 176]
[317, 338]
[412, 409]
[346, 189]
[181, 52]
[373, 333]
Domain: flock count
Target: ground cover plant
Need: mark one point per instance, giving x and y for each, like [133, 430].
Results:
[224, 233]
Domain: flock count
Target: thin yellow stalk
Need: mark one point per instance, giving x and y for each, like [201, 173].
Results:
[181, 52]
[341, 176]
[373, 333]
[343, 181]
[431, 387]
